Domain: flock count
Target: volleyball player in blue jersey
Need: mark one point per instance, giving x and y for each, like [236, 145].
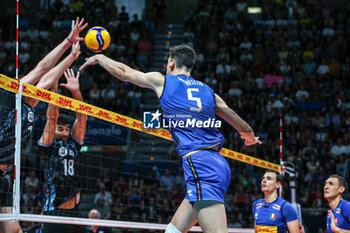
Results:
[44, 75]
[338, 218]
[272, 213]
[61, 149]
[187, 104]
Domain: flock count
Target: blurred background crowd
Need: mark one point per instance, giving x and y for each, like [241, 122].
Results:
[293, 59]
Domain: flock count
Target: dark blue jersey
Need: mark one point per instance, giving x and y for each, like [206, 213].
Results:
[8, 123]
[189, 109]
[273, 217]
[341, 215]
[62, 164]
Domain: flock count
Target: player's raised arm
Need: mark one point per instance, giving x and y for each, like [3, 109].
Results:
[235, 121]
[152, 80]
[52, 114]
[79, 127]
[54, 74]
[46, 64]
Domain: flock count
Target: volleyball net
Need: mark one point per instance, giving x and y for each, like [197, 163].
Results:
[132, 175]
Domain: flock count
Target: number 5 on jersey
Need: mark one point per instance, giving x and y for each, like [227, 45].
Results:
[198, 100]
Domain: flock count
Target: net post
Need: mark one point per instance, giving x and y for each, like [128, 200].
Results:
[18, 131]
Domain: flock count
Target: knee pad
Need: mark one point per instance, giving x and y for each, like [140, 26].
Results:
[170, 228]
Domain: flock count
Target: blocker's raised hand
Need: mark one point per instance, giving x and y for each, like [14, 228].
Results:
[73, 36]
[72, 81]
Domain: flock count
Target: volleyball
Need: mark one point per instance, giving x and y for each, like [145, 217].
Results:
[97, 39]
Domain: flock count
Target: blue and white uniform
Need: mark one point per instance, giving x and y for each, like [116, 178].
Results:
[189, 109]
[62, 180]
[273, 217]
[7, 139]
[341, 216]
[8, 123]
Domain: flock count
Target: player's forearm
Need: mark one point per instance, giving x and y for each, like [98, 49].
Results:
[79, 116]
[46, 64]
[51, 59]
[52, 112]
[54, 74]
[235, 121]
[117, 69]
[48, 135]
[338, 230]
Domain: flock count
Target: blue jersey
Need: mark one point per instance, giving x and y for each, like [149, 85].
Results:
[189, 109]
[341, 215]
[62, 181]
[273, 217]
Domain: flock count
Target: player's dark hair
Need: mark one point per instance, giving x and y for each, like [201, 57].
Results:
[341, 180]
[184, 55]
[63, 120]
[279, 177]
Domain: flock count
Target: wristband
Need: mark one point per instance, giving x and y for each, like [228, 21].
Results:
[69, 40]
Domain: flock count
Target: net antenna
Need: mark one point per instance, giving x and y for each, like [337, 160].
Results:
[290, 169]
[281, 154]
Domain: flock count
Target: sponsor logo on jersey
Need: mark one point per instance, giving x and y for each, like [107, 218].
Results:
[271, 229]
[189, 193]
[276, 207]
[62, 151]
[71, 153]
[30, 116]
[258, 206]
[338, 211]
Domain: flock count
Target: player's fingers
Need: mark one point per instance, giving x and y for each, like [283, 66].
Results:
[65, 74]
[78, 75]
[83, 27]
[82, 67]
[71, 74]
[80, 39]
[81, 22]
[63, 85]
[257, 140]
[331, 216]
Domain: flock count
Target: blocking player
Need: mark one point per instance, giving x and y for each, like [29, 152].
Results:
[272, 213]
[207, 174]
[61, 148]
[338, 218]
[47, 75]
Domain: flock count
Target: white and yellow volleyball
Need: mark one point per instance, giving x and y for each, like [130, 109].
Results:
[97, 39]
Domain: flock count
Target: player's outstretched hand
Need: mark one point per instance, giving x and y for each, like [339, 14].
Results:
[72, 81]
[89, 62]
[250, 139]
[75, 50]
[333, 223]
[73, 36]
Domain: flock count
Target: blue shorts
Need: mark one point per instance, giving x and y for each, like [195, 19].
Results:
[207, 176]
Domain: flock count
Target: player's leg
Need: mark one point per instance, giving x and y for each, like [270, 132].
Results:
[184, 218]
[9, 226]
[6, 208]
[207, 187]
[211, 216]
